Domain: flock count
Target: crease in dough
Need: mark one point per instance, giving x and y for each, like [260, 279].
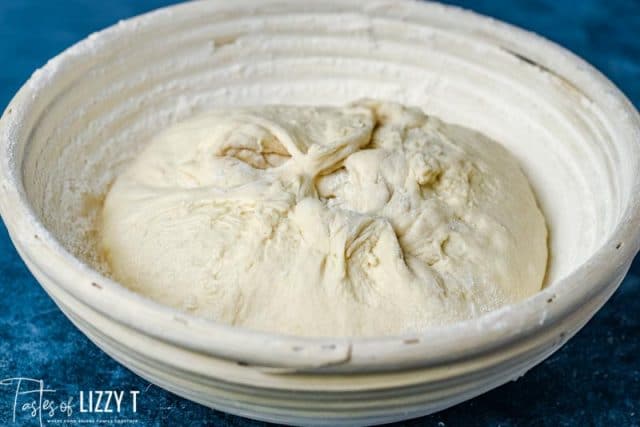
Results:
[369, 219]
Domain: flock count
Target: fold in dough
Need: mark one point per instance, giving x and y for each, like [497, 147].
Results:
[371, 219]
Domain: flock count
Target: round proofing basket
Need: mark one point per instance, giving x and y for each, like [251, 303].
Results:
[85, 114]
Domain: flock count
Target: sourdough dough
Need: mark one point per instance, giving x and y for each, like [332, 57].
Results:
[366, 220]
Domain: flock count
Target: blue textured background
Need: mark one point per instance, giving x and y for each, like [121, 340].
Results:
[593, 380]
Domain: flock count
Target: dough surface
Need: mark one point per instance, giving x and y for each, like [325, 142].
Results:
[370, 219]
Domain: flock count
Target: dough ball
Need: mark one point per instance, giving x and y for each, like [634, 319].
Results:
[370, 219]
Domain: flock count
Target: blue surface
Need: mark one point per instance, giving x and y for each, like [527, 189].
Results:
[593, 380]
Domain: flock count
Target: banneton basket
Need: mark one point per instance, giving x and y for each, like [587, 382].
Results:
[78, 121]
